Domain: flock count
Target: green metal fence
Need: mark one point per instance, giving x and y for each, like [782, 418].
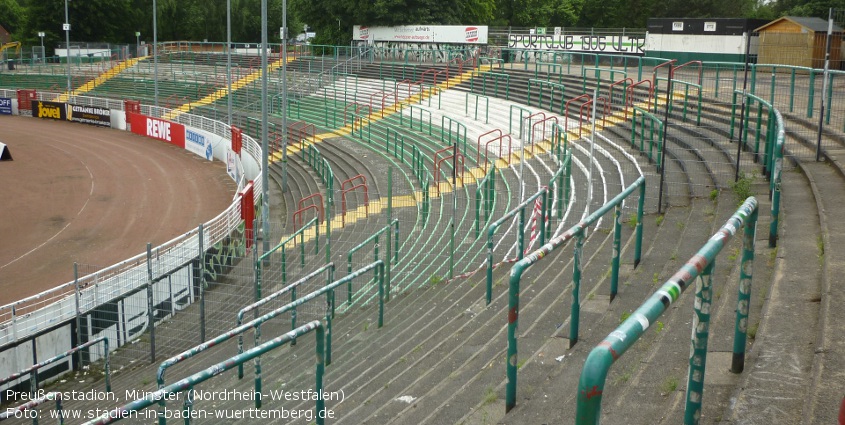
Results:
[187, 384]
[602, 357]
[577, 232]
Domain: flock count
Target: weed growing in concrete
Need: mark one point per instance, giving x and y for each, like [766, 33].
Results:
[752, 330]
[658, 327]
[632, 221]
[742, 187]
[624, 316]
[734, 254]
[669, 384]
[659, 220]
[714, 195]
[489, 396]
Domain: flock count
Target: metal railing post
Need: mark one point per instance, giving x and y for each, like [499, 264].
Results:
[698, 345]
[744, 295]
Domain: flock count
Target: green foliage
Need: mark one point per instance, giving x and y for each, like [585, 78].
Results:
[742, 187]
[669, 384]
[624, 316]
[659, 220]
[632, 221]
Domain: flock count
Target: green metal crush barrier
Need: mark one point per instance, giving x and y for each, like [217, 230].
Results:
[398, 143]
[543, 196]
[420, 120]
[732, 68]
[687, 86]
[377, 267]
[771, 128]
[492, 62]
[237, 330]
[552, 68]
[497, 79]
[577, 232]
[485, 190]
[598, 71]
[537, 87]
[523, 113]
[562, 179]
[390, 259]
[32, 371]
[478, 99]
[602, 357]
[453, 134]
[775, 180]
[653, 136]
[287, 289]
[187, 384]
[282, 246]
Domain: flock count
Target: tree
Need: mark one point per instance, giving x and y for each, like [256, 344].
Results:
[12, 17]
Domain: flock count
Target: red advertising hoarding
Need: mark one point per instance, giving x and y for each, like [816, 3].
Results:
[167, 131]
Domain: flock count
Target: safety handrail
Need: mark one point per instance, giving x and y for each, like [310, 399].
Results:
[577, 232]
[690, 63]
[320, 204]
[602, 357]
[500, 138]
[188, 383]
[598, 71]
[580, 116]
[356, 106]
[549, 120]
[460, 165]
[629, 95]
[453, 133]
[343, 201]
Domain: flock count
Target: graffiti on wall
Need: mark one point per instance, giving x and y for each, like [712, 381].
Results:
[420, 52]
[616, 44]
[222, 256]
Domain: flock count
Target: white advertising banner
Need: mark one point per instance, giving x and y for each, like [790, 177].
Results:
[625, 44]
[463, 34]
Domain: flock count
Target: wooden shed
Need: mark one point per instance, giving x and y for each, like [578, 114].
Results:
[799, 41]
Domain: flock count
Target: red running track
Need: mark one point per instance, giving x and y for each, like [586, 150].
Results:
[95, 196]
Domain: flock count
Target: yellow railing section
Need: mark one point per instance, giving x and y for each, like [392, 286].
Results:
[102, 78]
